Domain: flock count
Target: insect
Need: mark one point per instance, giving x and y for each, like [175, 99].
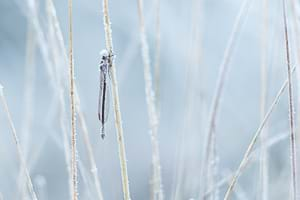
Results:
[104, 92]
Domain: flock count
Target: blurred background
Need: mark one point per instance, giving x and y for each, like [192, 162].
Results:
[194, 36]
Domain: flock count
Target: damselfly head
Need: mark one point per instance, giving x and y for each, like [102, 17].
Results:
[104, 54]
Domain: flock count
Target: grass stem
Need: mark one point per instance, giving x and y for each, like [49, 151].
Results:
[116, 103]
[291, 108]
[73, 111]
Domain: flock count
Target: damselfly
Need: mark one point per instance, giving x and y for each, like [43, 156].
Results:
[103, 106]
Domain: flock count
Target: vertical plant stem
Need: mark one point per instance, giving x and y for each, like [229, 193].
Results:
[296, 31]
[19, 149]
[116, 102]
[254, 140]
[291, 108]
[73, 112]
[157, 192]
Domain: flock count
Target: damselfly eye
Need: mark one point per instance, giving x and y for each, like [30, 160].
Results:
[103, 58]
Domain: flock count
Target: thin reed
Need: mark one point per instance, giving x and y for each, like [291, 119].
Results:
[73, 107]
[157, 190]
[116, 103]
[291, 108]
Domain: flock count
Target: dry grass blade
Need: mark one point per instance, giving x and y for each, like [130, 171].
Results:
[157, 191]
[16, 140]
[296, 33]
[254, 140]
[291, 108]
[73, 112]
[116, 102]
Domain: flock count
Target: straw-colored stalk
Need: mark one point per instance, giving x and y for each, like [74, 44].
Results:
[249, 150]
[291, 108]
[17, 143]
[157, 190]
[73, 111]
[116, 103]
[296, 32]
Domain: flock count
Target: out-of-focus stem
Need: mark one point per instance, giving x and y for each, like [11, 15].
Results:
[19, 149]
[157, 190]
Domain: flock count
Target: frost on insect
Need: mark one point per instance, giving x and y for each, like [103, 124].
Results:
[104, 92]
